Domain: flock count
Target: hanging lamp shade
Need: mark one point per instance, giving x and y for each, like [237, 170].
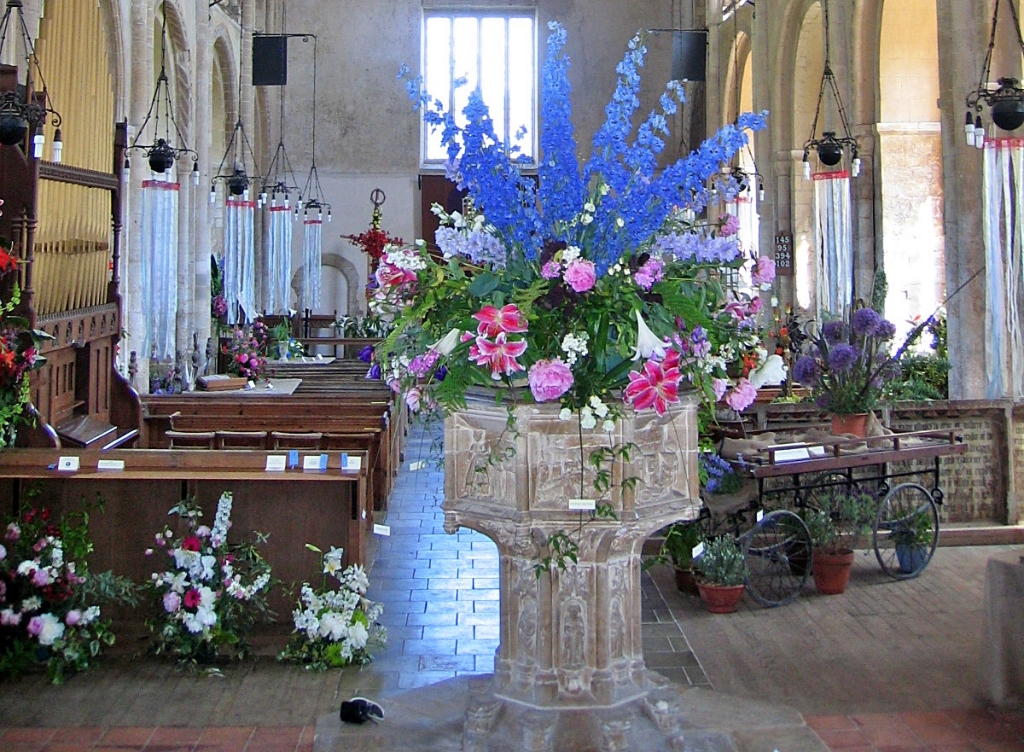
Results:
[12, 129]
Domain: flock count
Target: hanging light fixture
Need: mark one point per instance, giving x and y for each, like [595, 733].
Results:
[314, 194]
[20, 112]
[830, 147]
[161, 154]
[1006, 101]
[238, 179]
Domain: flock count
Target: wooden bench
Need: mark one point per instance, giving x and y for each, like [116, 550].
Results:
[295, 507]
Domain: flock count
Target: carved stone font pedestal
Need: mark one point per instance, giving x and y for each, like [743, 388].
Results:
[570, 638]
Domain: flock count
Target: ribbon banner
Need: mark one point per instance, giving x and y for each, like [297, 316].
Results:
[1003, 228]
[159, 291]
[277, 267]
[744, 208]
[833, 242]
[239, 260]
[311, 263]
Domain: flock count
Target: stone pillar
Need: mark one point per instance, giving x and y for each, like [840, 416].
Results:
[1003, 663]
[570, 638]
[203, 139]
[963, 37]
[247, 111]
[141, 94]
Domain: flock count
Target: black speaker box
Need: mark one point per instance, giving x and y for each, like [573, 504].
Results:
[269, 60]
[689, 55]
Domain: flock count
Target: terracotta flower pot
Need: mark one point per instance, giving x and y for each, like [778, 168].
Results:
[857, 424]
[831, 570]
[685, 581]
[720, 599]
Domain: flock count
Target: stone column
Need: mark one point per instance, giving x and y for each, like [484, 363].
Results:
[963, 37]
[203, 139]
[247, 110]
[141, 94]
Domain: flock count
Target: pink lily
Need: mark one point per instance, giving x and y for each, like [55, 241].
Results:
[500, 355]
[656, 386]
[494, 322]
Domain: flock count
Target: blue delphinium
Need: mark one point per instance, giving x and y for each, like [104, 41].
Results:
[620, 190]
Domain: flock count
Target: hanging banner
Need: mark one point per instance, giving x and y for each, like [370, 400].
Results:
[159, 291]
[311, 262]
[833, 242]
[277, 267]
[744, 208]
[1003, 228]
[239, 260]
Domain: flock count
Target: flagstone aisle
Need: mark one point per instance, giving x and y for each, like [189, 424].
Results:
[911, 649]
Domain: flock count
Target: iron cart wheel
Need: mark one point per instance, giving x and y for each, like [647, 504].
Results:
[777, 551]
[906, 531]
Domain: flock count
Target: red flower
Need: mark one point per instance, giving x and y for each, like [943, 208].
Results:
[190, 543]
[192, 598]
[493, 322]
[657, 386]
[500, 355]
[7, 262]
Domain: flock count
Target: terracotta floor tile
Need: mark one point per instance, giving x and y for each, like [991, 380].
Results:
[981, 726]
[170, 736]
[280, 745]
[887, 730]
[935, 728]
[842, 739]
[226, 735]
[126, 736]
[831, 723]
[67, 747]
[77, 734]
[274, 734]
[20, 746]
[21, 734]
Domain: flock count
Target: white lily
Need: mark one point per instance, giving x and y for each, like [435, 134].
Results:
[647, 342]
[770, 373]
[447, 343]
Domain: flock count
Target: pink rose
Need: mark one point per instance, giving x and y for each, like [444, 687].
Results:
[549, 379]
[730, 226]
[35, 626]
[580, 275]
[764, 271]
[172, 602]
[72, 617]
[551, 270]
[741, 396]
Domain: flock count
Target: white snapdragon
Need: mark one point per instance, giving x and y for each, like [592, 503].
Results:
[565, 414]
[599, 407]
[587, 419]
[222, 521]
[33, 603]
[404, 258]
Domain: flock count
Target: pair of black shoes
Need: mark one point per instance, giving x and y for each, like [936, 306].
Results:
[361, 710]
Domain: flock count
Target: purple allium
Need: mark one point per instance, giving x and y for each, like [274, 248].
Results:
[842, 357]
[865, 321]
[366, 354]
[833, 331]
[885, 330]
[805, 370]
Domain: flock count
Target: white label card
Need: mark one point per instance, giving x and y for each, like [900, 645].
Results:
[276, 463]
[67, 464]
[697, 550]
[352, 463]
[582, 505]
[110, 465]
[311, 462]
[791, 455]
[381, 529]
[418, 465]
[760, 515]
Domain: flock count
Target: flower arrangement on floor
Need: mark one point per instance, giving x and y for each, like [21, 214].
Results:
[49, 602]
[19, 353]
[335, 628]
[848, 362]
[247, 350]
[590, 287]
[211, 593]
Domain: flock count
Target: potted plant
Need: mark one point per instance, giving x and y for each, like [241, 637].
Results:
[677, 550]
[912, 538]
[846, 365]
[840, 515]
[721, 573]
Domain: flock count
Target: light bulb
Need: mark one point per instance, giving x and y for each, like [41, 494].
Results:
[58, 147]
[979, 133]
[807, 170]
[969, 129]
[38, 141]
[213, 195]
[195, 174]
[328, 216]
[245, 195]
[760, 196]
[856, 167]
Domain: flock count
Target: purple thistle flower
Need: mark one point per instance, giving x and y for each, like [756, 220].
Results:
[842, 357]
[805, 370]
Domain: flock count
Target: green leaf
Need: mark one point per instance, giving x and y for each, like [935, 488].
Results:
[483, 284]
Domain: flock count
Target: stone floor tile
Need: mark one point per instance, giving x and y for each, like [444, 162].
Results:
[487, 631]
[447, 632]
[844, 739]
[452, 607]
[478, 595]
[447, 663]
[429, 647]
[423, 678]
[486, 607]
[476, 618]
[476, 647]
[437, 619]
[831, 723]
[438, 594]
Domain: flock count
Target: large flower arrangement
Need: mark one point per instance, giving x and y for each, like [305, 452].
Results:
[247, 350]
[49, 602]
[334, 628]
[211, 593]
[592, 286]
[848, 362]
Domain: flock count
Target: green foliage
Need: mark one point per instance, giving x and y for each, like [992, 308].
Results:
[838, 515]
[924, 376]
[722, 562]
[677, 548]
[913, 530]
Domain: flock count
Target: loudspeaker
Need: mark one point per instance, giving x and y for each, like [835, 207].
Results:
[689, 54]
[269, 60]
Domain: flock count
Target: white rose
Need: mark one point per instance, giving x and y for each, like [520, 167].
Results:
[53, 629]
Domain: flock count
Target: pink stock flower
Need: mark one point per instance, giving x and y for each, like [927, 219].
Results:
[549, 379]
[656, 386]
[35, 626]
[40, 578]
[741, 396]
[72, 617]
[764, 271]
[551, 270]
[172, 602]
[719, 386]
[500, 355]
[651, 272]
[580, 275]
[493, 322]
[730, 227]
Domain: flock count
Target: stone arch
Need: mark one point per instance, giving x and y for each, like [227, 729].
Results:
[116, 45]
[348, 271]
[225, 55]
[179, 59]
[739, 61]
